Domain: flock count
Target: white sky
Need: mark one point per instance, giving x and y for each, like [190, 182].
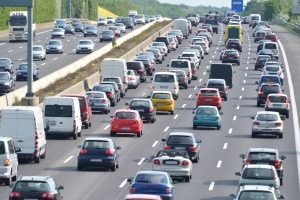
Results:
[216, 3]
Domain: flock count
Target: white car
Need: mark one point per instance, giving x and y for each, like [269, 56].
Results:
[38, 52]
[176, 163]
[85, 46]
[204, 46]
[160, 45]
[279, 103]
[273, 70]
[102, 21]
[133, 79]
[121, 26]
[58, 33]
[111, 20]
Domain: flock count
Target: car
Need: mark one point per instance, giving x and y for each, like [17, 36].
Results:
[79, 27]
[7, 83]
[90, 30]
[160, 45]
[102, 21]
[126, 121]
[272, 37]
[208, 35]
[204, 46]
[254, 192]
[41, 185]
[76, 21]
[265, 89]
[8, 160]
[234, 44]
[98, 101]
[139, 67]
[152, 18]
[70, 29]
[133, 79]
[107, 35]
[111, 20]
[199, 48]
[183, 141]
[222, 53]
[160, 183]
[207, 116]
[267, 52]
[121, 26]
[147, 55]
[139, 19]
[267, 123]
[145, 107]
[209, 97]
[115, 87]
[268, 79]
[85, 46]
[178, 34]
[116, 30]
[58, 33]
[110, 93]
[260, 61]
[163, 101]
[219, 84]
[260, 174]
[38, 52]
[128, 22]
[193, 55]
[21, 73]
[6, 64]
[150, 68]
[279, 103]
[98, 152]
[122, 87]
[142, 196]
[260, 45]
[231, 56]
[54, 46]
[268, 156]
[175, 162]
[273, 70]
[183, 79]
[259, 35]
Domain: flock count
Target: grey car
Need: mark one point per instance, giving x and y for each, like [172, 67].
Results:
[6, 64]
[58, 33]
[38, 52]
[98, 101]
[85, 46]
[90, 30]
[107, 35]
[54, 46]
[7, 83]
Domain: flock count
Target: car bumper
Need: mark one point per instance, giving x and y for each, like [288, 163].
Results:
[99, 108]
[4, 172]
[175, 172]
[96, 162]
[164, 108]
[84, 51]
[206, 123]
[126, 129]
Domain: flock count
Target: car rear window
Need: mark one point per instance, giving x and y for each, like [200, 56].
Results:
[269, 80]
[251, 195]
[28, 186]
[176, 139]
[161, 96]
[272, 68]
[258, 173]
[164, 78]
[267, 156]
[208, 92]
[58, 111]
[270, 46]
[137, 104]
[96, 144]
[179, 64]
[95, 95]
[270, 88]
[277, 98]
[126, 115]
[116, 80]
[267, 117]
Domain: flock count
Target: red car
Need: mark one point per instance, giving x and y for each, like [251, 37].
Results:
[272, 37]
[209, 96]
[85, 109]
[126, 121]
[116, 30]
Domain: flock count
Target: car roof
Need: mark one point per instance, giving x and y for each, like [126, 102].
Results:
[255, 187]
[211, 89]
[181, 134]
[277, 95]
[216, 80]
[152, 172]
[97, 138]
[34, 178]
[263, 150]
[126, 110]
[266, 112]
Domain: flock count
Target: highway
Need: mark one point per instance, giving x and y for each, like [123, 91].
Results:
[213, 177]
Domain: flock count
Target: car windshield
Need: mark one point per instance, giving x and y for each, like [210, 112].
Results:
[126, 115]
[255, 194]
[267, 117]
[258, 173]
[102, 88]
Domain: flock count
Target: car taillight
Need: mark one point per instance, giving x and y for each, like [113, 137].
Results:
[256, 123]
[140, 70]
[119, 85]
[15, 195]
[193, 148]
[171, 102]
[168, 190]
[131, 78]
[151, 110]
[109, 152]
[278, 124]
[101, 78]
[136, 122]
[48, 196]
[132, 190]
[247, 161]
[185, 163]
[278, 164]
[260, 92]
[156, 162]
[103, 100]
[195, 117]
[83, 151]
[109, 94]
[6, 162]
[217, 117]
[225, 56]
[175, 87]
[167, 147]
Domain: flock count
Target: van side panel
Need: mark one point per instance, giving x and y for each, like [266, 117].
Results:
[182, 25]
[114, 67]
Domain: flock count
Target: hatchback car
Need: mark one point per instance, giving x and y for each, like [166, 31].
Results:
[54, 46]
[279, 103]
[70, 30]
[234, 44]
[265, 156]
[152, 182]
[176, 162]
[273, 70]
[260, 174]
[145, 107]
[79, 27]
[121, 26]
[207, 116]
[115, 87]
[267, 52]
[265, 89]
[98, 101]
[102, 21]
[267, 123]
[122, 87]
[150, 68]
[272, 37]
[85, 46]
[183, 141]
[231, 56]
[110, 93]
[44, 187]
[259, 35]
[106, 35]
[268, 79]
[139, 67]
[160, 45]
[38, 52]
[58, 33]
[116, 30]
[133, 79]
[219, 84]
[183, 79]
[260, 61]
[209, 97]
[98, 152]
[90, 30]
[260, 44]
[126, 121]
[163, 101]
[7, 82]
[6, 64]
[21, 73]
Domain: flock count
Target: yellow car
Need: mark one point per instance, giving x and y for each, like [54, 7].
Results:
[163, 101]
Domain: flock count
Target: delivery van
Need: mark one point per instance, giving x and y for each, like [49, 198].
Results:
[114, 67]
[25, 125]
[182, 24]
[233, 32]
[62, 116]
[222, 71]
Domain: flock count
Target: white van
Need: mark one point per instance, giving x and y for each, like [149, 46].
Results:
[273, 46]
[182, 64]
[166, 81]
[62, 116]
[254, 18]
[26, 126]
[114, 67]
[181, 24]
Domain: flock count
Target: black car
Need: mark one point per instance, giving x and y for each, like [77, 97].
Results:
[163, 39]
[107, 35]
[115, 86]
[110, 92]
[231, 56]
[266, 89]
[145, 108]
[128, 22]
[148, 65]
[21, 73]
[79, 27]
[219, 84]
[70, 29]
[90, 30]
[36, 187]
[234, 44]
[139, 67]
[183, 141]
[6, 64]
[183, 79]
[260, 61]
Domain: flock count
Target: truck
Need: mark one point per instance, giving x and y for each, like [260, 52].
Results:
[213, 18]
[18, 26]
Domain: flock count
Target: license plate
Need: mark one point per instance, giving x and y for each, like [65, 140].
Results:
[96, 160]
[208, 99]
[170, 162]
[125, 128]
[141, 110]
[30, 199]
[179, 147]
[206, 118]
[277, 105]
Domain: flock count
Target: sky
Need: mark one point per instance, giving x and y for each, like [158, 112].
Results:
[216, 3]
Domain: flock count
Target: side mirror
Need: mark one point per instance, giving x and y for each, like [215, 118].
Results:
[282, 117]
[111, 116]
[221, 113]
[256, 82]
[163, 140]
[242, 156]
[256, 89]
[199, 141]
[47, 128]
[238, 174]
[252, 117]
[118, 148]
[126, 104]
[60, 187]
[193, 112]
[18, 149]
[282, 157]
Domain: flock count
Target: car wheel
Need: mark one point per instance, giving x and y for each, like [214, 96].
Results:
[37, 159]
[106, 111]
[86, 126]
[113, 167]
[139, 134]
[194, 127]
[152, 120]
[90, 124]
[253, 135]
[218, 127]
[79, 167]
[112, 133]
[196, 159]
[257, 104]
[172, 112]
[44, 154]
[74, 136]
[8, 181]
[280, 136]
[225, 98]
[287, 115]
[14, 178]
[281, 181]
[187, 179]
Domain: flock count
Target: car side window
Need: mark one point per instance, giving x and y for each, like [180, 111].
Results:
[11, 147]
[2, 147]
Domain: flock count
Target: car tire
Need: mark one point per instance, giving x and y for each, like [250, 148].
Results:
[113, 167]
[37, 159]
[8, 181]
[153, 120]
[187, 179]
[281, 181]
[196, 159]
[15, 177]
[112, 134]
[139, 134]
[43, 156]
[86, 126]
[280, 136]
[79, 167]
[253, 135]
[287, 115]
[218, 127]
[106, 112]
[172, 112]
[186, 87]
[75, 136]
[257, 104]
[194, 127]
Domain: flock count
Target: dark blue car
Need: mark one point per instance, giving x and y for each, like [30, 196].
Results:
[21, 73]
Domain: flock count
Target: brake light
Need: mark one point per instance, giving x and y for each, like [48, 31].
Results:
[120, 85]
[156, 162]
[185, 163]
[171, 102]
[152, 86]
[167, 147]
[195, 117]
[260, 92]
[131, 78]
[15, 195]
[109, 94]
[6, 162]
[125, 79]
[175, 87]
[278, 164]
[278, 124]
[83, 151]
[193, 148]
[48, 195]
[151, 110]
[103, 100]
[256, 123]
[168, 190]
[109, 152]
[132, 190]
[247, 161]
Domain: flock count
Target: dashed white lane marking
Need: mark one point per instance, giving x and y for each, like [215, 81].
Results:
[200, 80]
[243, 88]
[225, 146]
[141, 161]
[175, 117]
[246, 68]
[2, 43]
[10, 51]
[230, 131]
[21, 47]
[21, 59]
[43, 64]
[238, 107]
[190, 96]
[68, 159]
[195, 88]
[54, 58]
[106, 127]
[211, 186]
[166, 129]
[244, 81]
[154, 144]
[123, 183]
[246, 74]
[219, 164]
[240, 97]
[143, 94]
[183, 105]
[234, 118]
[203, 73]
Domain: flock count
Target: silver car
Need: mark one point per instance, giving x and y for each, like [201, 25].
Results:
[58, 33]
[160, 45]
[85, 46]
[54, 46]
[267, 123]
[38, 52]
[98, 101]
[133, 79]
[121, 26]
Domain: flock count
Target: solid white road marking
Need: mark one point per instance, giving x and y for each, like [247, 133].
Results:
[225, 146]
[106, 127]
[166, 129]
[141, 161]
[211, 186]
[230, 131]
[67, 160]
[123, 183]
[155, 143]
[219, 164]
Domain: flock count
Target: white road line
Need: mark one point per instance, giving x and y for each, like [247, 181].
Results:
[123, 183]
[203, 73]
[246, 74]
[246, 68]
[190, 96]
[207, 66]
[43, 64]
[244, 81]
[195, 88]
[225, 146]
[175, 117]
[141, 161]
[183, 106]
[211, 186]
[68, 159]
[10, 51]
[238, 107]
[240, 97]
[234, 118]
[21, 47]
[106, 127]
[219, 164]
[21, 59]
[54, 58]
[166, 129]
[2, 43]
[200, 80]
[230, 131]
[243, 88]
[143, 94]
[155, 143]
